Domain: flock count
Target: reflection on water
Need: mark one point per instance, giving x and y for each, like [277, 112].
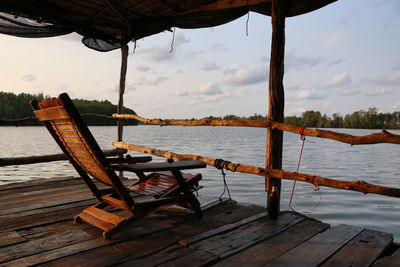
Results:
[372, 163]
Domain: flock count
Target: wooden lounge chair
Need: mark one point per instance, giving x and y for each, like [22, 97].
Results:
[166, 184]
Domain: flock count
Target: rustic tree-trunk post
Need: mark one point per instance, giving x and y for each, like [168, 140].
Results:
[124, 65]
[276, 105]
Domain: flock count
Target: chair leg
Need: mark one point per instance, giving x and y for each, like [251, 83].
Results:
[194, 204]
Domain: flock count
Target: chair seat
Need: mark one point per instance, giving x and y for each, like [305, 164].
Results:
[161, 183]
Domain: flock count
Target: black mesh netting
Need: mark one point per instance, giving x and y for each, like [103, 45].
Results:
[23, 27]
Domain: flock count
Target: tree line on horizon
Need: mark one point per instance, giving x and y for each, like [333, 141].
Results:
[13, 106]
[16, 106]
[361, 119]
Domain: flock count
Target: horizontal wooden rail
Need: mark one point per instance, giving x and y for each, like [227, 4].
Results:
[16, 122]
[375, 138]
[359, 186]
[49, 158]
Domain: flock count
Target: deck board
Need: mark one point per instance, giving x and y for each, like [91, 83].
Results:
[36, 227]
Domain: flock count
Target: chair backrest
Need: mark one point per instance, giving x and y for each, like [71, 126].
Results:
[65, 124]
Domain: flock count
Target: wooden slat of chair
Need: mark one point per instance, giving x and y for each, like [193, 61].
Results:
[70, 132]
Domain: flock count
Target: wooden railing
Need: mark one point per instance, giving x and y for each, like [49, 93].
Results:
[359, 186]
[376, 138]
[51, 157]
[17, 122]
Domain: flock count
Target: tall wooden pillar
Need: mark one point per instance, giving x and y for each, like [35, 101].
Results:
[124, 65]
[276, 105]
[122, 78]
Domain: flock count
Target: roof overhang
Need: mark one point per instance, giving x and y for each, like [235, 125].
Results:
[120, 21]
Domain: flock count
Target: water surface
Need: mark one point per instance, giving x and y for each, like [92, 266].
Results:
[377, 164]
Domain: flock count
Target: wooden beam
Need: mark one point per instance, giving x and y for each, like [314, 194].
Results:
[359, 186]
[374, 138]
[276, 106]
[124, 65]
[50, 158]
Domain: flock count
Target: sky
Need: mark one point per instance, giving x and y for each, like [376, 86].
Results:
[339, 59]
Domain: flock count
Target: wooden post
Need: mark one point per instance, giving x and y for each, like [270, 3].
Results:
[276, 105]
[124, 65]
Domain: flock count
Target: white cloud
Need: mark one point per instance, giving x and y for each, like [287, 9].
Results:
[351, 15]
[218, 48]
[211, 88]
[28, 78]
[208, 66]
[336, 38]
[339, 80]
[381, 91]
[349, 92]
[156, 80]
[181, 93]
[143, 68]
[239, 76]
[387, 82]
[335, 61]
[293, 61]
[180, 39]
[307, 95]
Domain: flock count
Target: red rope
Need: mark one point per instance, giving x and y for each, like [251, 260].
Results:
[313, 182]
[302, 137]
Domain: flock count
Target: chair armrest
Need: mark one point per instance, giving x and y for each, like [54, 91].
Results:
[129, 160]
[161, 166]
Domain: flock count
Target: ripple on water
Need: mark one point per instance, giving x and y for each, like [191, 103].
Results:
[373, 163]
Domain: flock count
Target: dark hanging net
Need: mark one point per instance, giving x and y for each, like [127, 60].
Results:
[23, 27]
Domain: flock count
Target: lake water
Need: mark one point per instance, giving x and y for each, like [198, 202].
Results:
[377, 164]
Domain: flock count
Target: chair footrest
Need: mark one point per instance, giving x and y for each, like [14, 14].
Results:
[103, 225]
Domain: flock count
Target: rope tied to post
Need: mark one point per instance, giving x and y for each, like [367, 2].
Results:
[221, 165]
[303, 138]
[315, 184]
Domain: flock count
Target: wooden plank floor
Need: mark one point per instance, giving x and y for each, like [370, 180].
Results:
[37, 229]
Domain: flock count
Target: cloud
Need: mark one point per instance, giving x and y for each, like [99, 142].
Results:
[351, 15]
[193, 54]
[216, 98]
[218, 48]
[307, 95]
[349, 92]
[381, 91]
[211, 88]
[333, 39]
[387, 82]
[339, 80]
[181, 93]
[144, 68]
[293, 61]
[179, 40]
[209, 66]
[239, 76]
[28, 78]
[130, 87]
[335, 61]
[156, 80]
[165, 51]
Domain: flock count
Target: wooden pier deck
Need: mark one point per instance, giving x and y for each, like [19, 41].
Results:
[37, 229]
